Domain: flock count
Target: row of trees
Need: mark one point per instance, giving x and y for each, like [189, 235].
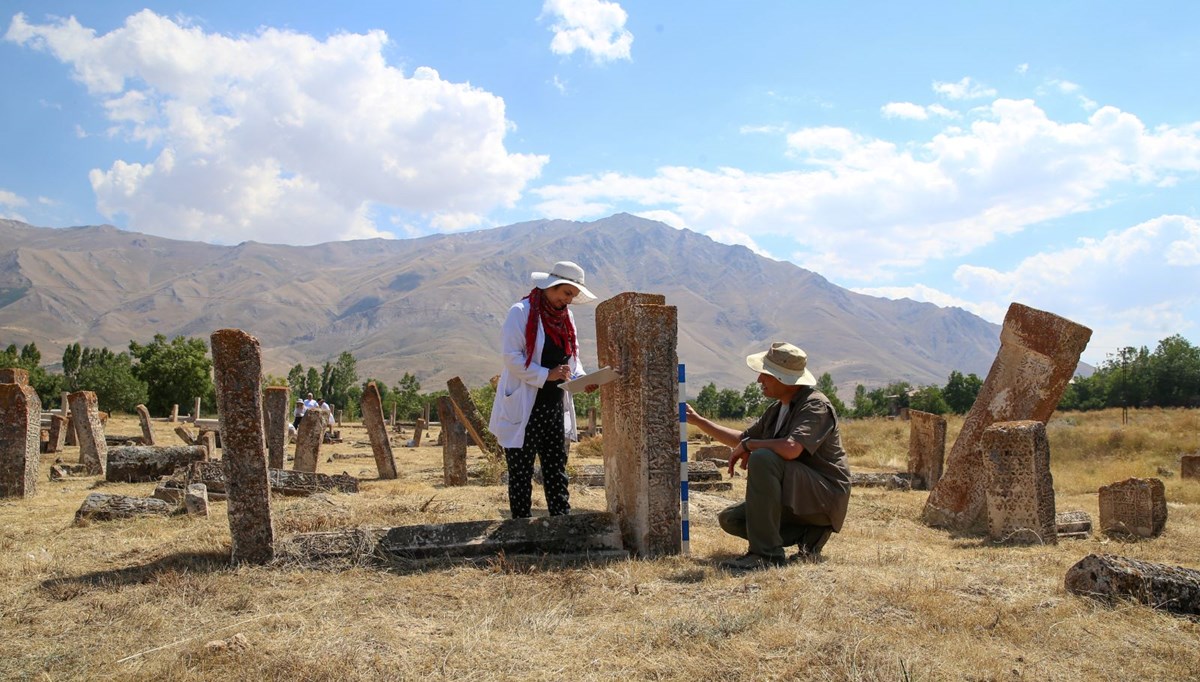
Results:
[1169, 376]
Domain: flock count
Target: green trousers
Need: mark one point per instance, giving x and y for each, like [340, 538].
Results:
[763, 520]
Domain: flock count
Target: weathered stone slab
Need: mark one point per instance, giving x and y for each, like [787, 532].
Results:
[709, 486]
[186, 436]
[208, 441]
[170, 491]
[237, 367]
[106, 507]
[700, 472]
[276, 412]
[469, 417]
[1189, 467]
[350, 545]
[146, 463]
[85, 416]
[418, 432]
[1135, 506]
[58, 434]
[61, 470]
[1020, 489]
[195, 499]
[308, 439]
[144, 420]
[926, 448]
[1038, 355]
[282, 481]
[714, 453]
[20, 439]
[381, 446]
[1109, 577]
[543, 534]
[454, 444]
[174, 413]
[589, 474]
[14, 375]
[114, 440]
[637, 334]
[1073, 524]
[871, 479]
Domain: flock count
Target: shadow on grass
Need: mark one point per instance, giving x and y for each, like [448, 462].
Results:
[66, 588]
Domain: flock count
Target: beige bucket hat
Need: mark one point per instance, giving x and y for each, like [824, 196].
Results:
[564, 272]
[785, 362]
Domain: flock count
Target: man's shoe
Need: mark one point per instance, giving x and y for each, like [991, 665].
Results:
[751, 562]
[809, 549]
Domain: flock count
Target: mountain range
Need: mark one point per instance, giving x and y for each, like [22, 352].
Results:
[434, 305]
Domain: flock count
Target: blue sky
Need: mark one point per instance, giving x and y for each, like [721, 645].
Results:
[967, 154]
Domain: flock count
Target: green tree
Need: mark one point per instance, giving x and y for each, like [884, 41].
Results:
[175, 372]
[312, 383]
[756, 402]
[584, 401]
[706, 402]
[111, 377]
[825, 385]
[960, 391]
[72, 354]
[483, 397]
[408, 398]
[929, 399]
[1175, 373]
[730, 404]
[296, 381]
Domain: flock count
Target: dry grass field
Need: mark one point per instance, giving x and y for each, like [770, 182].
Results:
[155, 599]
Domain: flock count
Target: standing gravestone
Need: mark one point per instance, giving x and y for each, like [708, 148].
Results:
[195, 499]
[276, 403]
[208, 439]
[71, 438]
[418, 431]
[1189, 467]
[1135, 506]
[58, 433]
[637, 334]
[468, 416]
[20, 437]
[196, 410]
[308, 439]
[174, 413]
[144, 419]
[14, 375]
[237, 367]
[1038, 355]
[1020, 490]
[926, 448]
[93, 449]
[381, 447]
[591, 428]
[454, 444]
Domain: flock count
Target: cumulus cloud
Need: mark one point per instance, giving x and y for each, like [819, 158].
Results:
[915, 112]
[9, 202]
[963, 89]
[280, 136]
[596, 27]
[1107, 282]
[927, 294]
[868, 209]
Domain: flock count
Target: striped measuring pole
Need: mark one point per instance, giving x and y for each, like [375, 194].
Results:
[683, 462]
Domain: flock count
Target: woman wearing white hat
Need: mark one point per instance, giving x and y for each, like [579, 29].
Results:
[532, 416]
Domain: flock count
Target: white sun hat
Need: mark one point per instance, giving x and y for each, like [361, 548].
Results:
[785, 362]
[564, 272]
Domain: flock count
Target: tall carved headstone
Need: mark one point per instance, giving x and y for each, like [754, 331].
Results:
[418, 431]
[1038, 354]
[637, 334]
[144, 419]
[308, 440]
[1135, 506]
[276, 401]
[20, 438]
[468, 416]
[926, 448]
[454, 444]
[381, 447]
[237, 366]
[85, 416]
[1020, 489]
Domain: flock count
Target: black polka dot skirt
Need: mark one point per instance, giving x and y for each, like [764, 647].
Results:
[545, 439]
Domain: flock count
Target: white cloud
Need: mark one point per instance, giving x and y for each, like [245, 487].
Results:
[738, 238]
[905, 110]
[9, 202]
[963, 89]
[1022, 68]
[927, 294]
[596, 27]
[762, 130]
[1137, 285]
[865, 209]
[669, 218]
[279, 136]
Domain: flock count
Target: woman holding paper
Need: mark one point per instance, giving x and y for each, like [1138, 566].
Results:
[532, 416]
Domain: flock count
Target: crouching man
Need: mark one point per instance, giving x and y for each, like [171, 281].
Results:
[798, 479]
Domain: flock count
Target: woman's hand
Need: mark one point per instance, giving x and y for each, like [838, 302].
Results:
[560, 373]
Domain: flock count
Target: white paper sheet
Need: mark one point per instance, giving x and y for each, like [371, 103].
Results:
[599, 377]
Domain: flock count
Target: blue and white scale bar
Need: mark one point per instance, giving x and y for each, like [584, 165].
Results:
[683, 462]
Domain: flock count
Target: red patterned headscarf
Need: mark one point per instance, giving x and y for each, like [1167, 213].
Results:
[556, 323]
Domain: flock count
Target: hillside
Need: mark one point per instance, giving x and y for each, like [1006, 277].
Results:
[433, 306]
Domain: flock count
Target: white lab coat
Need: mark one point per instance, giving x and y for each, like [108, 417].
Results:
[518, 385]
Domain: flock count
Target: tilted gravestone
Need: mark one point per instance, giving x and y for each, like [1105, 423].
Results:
[276, 404]
[381, 446]
[237, 367]
[454, 444]
[20, 439]
[1020, 490]
[1135, 506]
[926, 448]
[468, 416]
[1038, 354]
[308, 440]
[144, 420]
[85, 416]
[58, 433]
[637, 334]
